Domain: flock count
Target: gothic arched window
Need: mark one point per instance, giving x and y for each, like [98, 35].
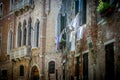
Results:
[24, 33]
[19, 35]
[36, 34]
[10, 41]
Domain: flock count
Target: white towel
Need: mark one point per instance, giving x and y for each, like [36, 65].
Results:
[72, 40]
[75, 22]
[80, 32]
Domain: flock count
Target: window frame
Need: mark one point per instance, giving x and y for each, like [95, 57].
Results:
[82, 9]
[76, 5]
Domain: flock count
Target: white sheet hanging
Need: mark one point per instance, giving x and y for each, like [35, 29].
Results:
[75, 22]
[80, 32]
[72, 40]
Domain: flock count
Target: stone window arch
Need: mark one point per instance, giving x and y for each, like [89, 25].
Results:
[51, 67]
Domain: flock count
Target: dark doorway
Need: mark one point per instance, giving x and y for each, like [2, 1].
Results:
[85, 66]
[35, 73]
[64, 71]
[56, 74]
[77, 72]
[4, 75]
[109, 58]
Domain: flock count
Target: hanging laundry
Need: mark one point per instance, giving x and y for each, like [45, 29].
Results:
[80, 32]
[58, 40]
[72, 40]
[60, 37]
[75, 22]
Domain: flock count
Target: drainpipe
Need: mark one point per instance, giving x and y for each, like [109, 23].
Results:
[43, 38]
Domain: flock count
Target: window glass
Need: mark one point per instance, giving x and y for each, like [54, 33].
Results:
[1, 9]
[29, 31]
[25, 33]
[19, 35]
[37, 34]
[76, 6]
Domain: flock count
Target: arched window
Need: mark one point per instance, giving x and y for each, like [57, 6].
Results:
[10, 40]
[19, 35]
[21, 70]
[36, 34]
[29, 31]
[51, 67]
[24, 33]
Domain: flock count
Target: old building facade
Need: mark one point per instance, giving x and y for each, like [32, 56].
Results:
[96, 55]
[27, 45]
[59, 40]
[6, 31]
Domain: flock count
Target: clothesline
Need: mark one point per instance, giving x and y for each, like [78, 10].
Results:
[78, 30]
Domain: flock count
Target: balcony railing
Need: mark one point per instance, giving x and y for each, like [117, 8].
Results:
[20, 5]
[21, 52]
